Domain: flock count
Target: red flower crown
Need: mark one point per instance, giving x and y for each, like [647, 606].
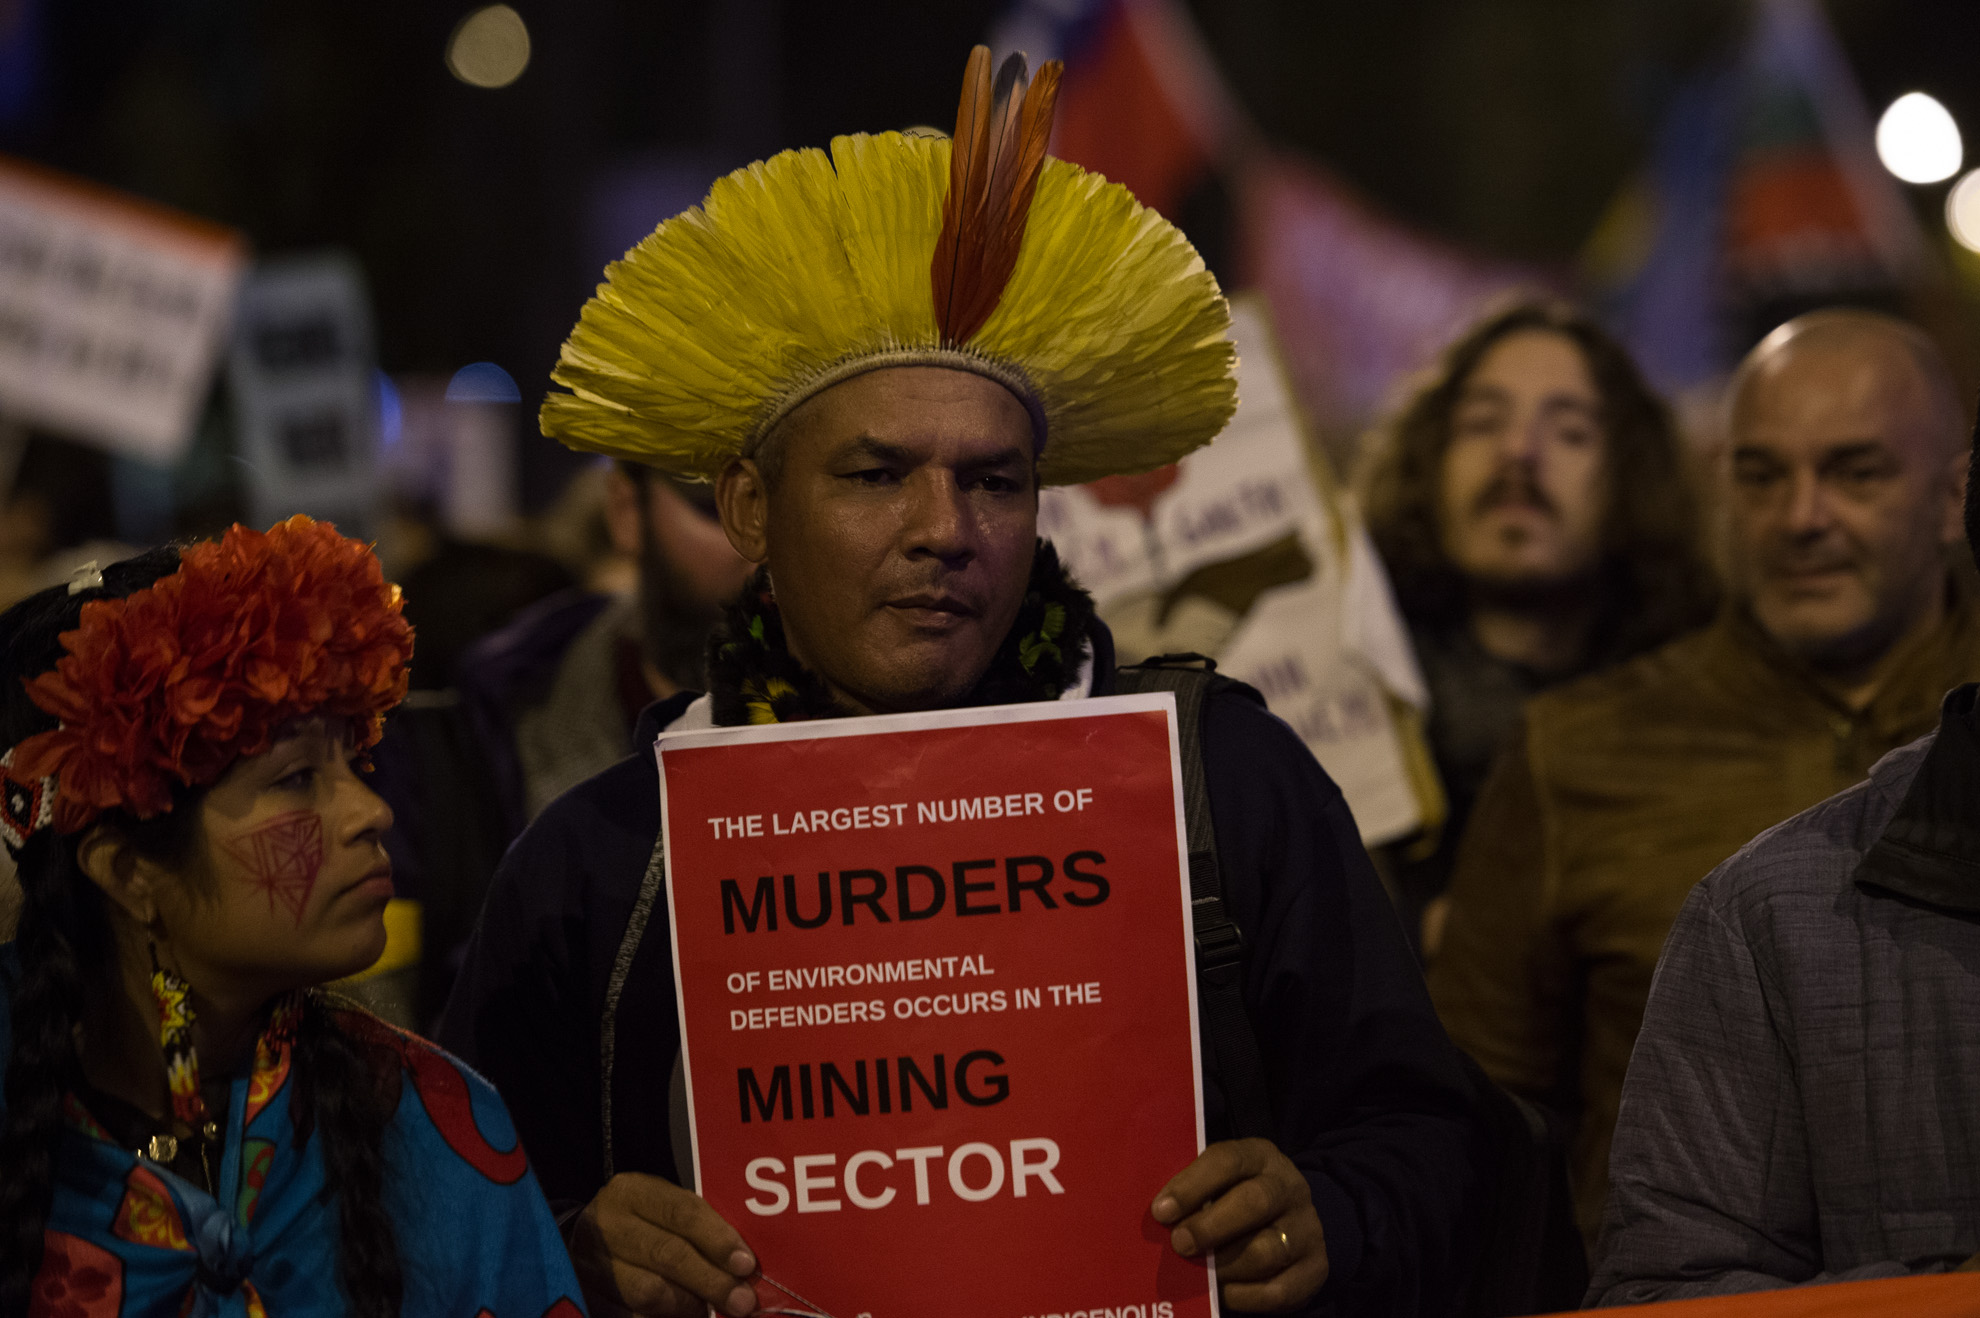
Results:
[176, 682]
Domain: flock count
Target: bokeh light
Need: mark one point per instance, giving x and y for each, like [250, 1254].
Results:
[1918, 141]
[391, 411]
[1963, 211]
[483, 382]
[489, 48]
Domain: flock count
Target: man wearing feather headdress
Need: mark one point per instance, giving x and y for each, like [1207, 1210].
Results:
[878, 356]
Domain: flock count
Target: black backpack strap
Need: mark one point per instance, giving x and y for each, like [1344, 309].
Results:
[1230, 1048]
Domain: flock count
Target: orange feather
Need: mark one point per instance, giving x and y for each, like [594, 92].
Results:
[994, 162]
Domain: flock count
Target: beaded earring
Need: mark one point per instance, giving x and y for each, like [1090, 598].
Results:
[173, 995]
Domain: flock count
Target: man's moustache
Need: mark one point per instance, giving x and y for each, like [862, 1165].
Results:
[1515, 490]
[946, 585]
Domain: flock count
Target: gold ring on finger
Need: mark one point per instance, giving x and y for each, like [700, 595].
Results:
[1285, 1242]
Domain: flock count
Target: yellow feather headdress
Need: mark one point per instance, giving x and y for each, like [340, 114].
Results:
[806, 269]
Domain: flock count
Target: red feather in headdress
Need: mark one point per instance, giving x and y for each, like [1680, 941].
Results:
[994, 161]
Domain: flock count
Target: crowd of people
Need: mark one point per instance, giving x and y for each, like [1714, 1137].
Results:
[1707, 902]
[1591, 809]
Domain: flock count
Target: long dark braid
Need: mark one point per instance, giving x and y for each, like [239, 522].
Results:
[63, 941]
[345, 1088]
[64, 945]
[349, 1086]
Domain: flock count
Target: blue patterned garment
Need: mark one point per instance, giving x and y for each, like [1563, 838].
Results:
[127, 1237]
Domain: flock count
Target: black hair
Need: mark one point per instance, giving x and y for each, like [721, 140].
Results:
[67, 950]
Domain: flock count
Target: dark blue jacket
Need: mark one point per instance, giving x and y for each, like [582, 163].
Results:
[1367, 1093]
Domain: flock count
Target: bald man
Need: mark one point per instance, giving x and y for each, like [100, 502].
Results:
[1803, 1104]
[1842, 631]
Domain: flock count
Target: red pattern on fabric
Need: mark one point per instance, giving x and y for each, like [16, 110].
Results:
[450, 1106]
[564, 1308]
[271, 1072]
[78, 1279]
[444, 1092]
[282, 858]
[147, 1215]
[177, 681]
[256, 1158]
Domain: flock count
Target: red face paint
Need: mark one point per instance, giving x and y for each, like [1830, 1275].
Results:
[282, 858]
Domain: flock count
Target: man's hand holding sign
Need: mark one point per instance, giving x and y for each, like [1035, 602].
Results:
[1245, 1202]
[646, 1246]
[662, 1250]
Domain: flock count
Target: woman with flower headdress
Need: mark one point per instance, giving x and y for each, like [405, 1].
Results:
[191, 1125]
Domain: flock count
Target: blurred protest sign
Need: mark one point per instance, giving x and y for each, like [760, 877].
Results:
[455, 448]
[965, 1018]
[1244, 552]
[111, 312]
[304, 379]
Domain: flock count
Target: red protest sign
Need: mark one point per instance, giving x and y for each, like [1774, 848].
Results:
[937, 1006]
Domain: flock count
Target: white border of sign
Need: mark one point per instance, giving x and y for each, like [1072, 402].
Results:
[1044, 711]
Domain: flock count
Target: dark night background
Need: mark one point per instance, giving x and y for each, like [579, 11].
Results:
[482, 217]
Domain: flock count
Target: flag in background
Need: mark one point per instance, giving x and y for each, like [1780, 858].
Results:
[1357, 299]
[1142, 103]
[1763, 199]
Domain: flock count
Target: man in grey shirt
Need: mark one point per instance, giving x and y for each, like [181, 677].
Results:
[1803, 1104]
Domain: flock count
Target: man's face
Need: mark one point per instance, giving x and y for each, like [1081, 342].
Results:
[1843, 497]
[1524, 484]
[899, 534]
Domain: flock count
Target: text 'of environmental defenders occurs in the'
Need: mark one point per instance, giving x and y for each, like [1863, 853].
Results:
[878, 355]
